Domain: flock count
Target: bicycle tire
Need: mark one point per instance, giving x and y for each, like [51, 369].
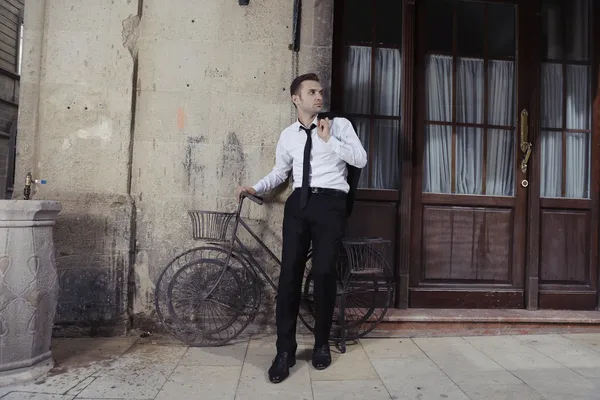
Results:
[363, 319]
[223, 289]
[237, 261]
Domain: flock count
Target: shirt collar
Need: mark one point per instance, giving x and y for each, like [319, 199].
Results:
[298, 124]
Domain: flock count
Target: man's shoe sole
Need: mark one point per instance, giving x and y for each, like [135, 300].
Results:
[321, 367]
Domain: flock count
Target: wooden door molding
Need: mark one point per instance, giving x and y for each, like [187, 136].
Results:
[408, 112]
[532, 71]
[595, 186]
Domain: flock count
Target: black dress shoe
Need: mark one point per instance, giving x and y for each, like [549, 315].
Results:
[321, 358]
[281, 367]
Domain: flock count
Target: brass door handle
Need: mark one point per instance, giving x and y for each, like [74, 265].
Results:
[525, 144]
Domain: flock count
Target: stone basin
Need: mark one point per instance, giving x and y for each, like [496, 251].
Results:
[28, 288]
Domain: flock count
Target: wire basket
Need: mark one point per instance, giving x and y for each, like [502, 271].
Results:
[366, 255]
[210, 225]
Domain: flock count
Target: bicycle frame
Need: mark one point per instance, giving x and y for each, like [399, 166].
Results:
[247, 254]
[236, 240]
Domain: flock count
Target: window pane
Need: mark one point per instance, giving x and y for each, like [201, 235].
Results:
[471, 28]
[439, 25]
[501, 30]
[551, 164]
[579, 98]
[469, 160]
[578, 165]
[501, 93]
[469, 80]
[362, 130]
[552, 95]
[389, 22]
[500, 165]
[358, 21]
[357, 80]
[578, 28]
[552, 30]
[388, 79]
[437, 158]
[439, 88]
[386, 164]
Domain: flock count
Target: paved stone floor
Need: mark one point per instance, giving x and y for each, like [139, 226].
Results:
[491, 367]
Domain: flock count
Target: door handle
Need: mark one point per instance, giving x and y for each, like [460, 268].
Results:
[525, 144]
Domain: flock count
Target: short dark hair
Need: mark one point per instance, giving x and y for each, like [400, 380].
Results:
[296, 83]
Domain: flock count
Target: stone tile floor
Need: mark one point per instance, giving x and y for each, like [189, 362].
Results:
[492, 367]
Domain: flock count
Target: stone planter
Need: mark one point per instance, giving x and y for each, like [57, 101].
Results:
[28, 288]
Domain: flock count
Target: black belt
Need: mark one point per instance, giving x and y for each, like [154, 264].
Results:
[330, 192]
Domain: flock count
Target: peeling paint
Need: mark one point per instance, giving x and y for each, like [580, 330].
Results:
[131, 34]
[144, 285]
[233, 159]
[190, 166]
[180, 118]
[102, 130]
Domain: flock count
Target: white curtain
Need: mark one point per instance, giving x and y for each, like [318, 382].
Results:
[577, 80]
[578, 110]
[500, 177]
[386, 102]
[469, 140]
[438, 138]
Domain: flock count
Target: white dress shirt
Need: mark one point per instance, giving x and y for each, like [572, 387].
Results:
[327, 161]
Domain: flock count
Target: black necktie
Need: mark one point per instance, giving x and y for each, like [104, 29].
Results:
[306, 166]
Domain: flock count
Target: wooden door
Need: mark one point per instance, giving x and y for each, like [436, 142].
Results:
[493, 228]
[469, 206]
[563, 216]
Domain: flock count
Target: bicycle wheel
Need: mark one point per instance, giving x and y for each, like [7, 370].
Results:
[366, 301]
[179, 327]
[209, 303]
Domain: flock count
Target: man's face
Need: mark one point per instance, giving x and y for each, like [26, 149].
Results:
[310, 99]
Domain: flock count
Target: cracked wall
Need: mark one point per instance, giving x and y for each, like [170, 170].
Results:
[138, 111]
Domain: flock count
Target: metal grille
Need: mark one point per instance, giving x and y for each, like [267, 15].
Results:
[366, 255]
[210, 225]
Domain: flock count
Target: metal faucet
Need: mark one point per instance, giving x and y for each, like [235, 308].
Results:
[27, 190]
[28, 181]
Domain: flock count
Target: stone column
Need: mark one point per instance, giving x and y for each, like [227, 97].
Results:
[28, 288]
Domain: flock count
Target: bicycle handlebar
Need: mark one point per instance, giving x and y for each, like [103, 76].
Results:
[258, 200]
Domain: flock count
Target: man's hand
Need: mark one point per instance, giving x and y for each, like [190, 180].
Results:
[323, 131]
[239, 190]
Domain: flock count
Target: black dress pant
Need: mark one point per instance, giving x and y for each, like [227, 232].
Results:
[322, 222]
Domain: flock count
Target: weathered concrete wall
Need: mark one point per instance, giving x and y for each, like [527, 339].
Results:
[75, 132]
[212, 95]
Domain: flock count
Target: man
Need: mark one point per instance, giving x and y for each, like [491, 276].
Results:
[315, 211]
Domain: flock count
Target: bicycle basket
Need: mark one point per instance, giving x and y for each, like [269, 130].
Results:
[210, 225]
[366, 255]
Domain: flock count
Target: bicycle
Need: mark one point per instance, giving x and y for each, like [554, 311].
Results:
[224, 275]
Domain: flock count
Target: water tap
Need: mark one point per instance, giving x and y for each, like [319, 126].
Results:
[28, 181]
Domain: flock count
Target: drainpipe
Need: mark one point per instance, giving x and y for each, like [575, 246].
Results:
[295, 46]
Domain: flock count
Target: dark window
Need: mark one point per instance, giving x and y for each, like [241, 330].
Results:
[369, 64]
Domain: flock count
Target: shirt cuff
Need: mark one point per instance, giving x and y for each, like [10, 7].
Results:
[259, 187]
[334, 143]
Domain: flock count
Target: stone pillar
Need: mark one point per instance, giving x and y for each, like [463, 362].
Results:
[28, 288]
